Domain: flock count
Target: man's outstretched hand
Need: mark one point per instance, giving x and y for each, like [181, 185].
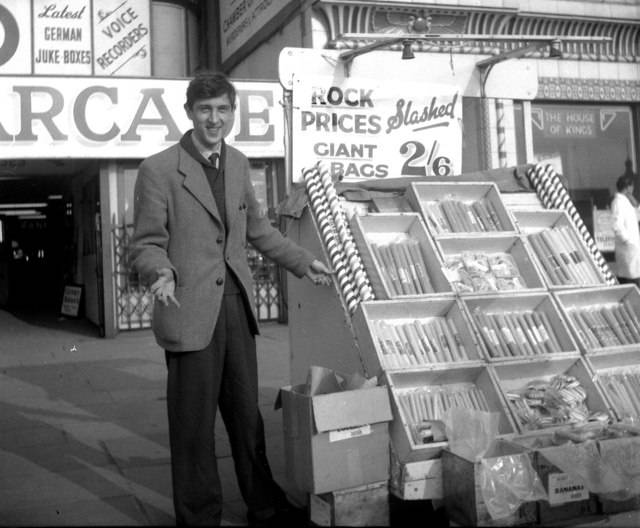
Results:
[319, 273]
[164, 287]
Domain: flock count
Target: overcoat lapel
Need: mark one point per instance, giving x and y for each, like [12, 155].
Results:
[195, 181]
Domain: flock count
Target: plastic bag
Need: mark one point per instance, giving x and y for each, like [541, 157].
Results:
[508, 481]
[470, 432]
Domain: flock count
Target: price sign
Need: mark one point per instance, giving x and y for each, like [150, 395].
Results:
[365, 129]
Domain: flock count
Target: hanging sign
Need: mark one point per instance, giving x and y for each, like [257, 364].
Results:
[62, 37]
[75, 37]
[365, 129]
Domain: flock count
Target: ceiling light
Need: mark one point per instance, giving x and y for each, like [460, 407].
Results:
[555, 49]
[32, 217]
[22, 205]
[18, 212]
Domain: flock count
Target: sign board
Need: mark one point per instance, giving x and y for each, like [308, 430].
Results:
[564, 121]
[109, 117]
[369, 129]
[75, 37]
[240, 20]
[71, 299]
[122, 38]
[603, 229]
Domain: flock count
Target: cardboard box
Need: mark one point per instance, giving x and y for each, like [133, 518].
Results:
[569, 497]
[531, 222]
[463, 498]
[593, 297]
[335, 441]
[541, 303]
[418, 480]
[515, 376]
[453, 247]
[402, 381]
[623, 456]
[604, 365]
[399, 312]
[385, 228]
[361, 506]
[421, 194]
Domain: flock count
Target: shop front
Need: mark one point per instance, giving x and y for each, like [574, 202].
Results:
[70, 150]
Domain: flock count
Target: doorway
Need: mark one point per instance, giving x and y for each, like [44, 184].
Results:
[41, 238]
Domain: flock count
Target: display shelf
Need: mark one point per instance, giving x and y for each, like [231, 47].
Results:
[517, 326]
[605, 319]
[460, 207]
[398, 255]
[488, 264]
[518, 380]
[618, 375]
[559, 251]
[476, 382]
[426, 344]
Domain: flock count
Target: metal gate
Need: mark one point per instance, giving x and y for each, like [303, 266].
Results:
[134, 302]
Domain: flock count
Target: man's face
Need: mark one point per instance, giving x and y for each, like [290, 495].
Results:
[212, 119]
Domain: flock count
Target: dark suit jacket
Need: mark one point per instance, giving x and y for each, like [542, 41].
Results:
[177, 225]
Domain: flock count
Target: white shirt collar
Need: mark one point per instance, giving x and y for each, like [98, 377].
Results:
[206, 153]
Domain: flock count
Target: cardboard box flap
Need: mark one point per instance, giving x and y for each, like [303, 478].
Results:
[351, 408]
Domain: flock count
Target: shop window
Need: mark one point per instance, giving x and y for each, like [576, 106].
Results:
[588, 145]
[174, 39]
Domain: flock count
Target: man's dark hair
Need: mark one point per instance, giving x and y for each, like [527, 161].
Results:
[624, 181]
[206, 85]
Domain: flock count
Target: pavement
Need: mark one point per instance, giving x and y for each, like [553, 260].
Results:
[84, 437]
[83, 428]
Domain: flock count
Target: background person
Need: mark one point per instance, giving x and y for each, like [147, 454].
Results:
[624, 209]
[195, 210]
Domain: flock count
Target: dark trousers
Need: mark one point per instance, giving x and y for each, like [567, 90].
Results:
[223, 375]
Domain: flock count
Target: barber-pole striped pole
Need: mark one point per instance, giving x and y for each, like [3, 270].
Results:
[329, 234]
[554, 195]
[356, 266]
[502, 134]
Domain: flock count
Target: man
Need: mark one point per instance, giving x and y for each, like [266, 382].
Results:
[624, 210]
[195, 209]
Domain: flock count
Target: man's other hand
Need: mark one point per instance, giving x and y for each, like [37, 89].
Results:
[319, 273]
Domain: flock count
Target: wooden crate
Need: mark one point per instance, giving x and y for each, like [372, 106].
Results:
[491, 244]
[623, 361]
[385, 228]
[400, 382]
[582, 298]
[395, 312]
[541, 303]
[530, 222]
[362, 506]
[517, 375]
[462, 490]
[423, 194]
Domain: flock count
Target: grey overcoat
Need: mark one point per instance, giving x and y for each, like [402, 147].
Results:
[177, 225]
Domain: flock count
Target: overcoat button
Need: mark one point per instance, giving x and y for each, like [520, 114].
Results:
[219, 281]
